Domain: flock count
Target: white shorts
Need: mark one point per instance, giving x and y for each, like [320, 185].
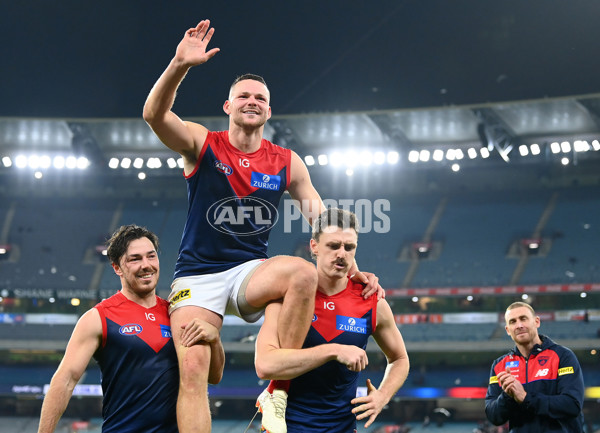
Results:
[218, 292]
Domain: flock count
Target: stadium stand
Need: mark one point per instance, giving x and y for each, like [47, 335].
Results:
[573, 231]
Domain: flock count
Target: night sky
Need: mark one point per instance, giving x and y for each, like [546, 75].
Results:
[78, 58]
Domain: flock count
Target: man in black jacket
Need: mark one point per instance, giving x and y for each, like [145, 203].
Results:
[537, 386]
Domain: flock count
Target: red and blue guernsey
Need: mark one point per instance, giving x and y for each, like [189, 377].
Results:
[140, 376]
[319, 400]
[233, 198]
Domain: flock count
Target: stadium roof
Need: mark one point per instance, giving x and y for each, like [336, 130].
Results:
[348, 80]
[74, 59]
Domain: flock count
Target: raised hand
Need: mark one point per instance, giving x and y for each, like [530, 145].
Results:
[192, 50]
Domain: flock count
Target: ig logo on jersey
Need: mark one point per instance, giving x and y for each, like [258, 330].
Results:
[242, 216]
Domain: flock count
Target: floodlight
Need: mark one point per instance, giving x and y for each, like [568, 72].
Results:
[138, 163]
[523, 150]
[393, 157]
[379, 158]
[21, 161]
[71, 162]
[336, 159]
[82, 163]
[125, 163]
[581, 146]
[438, 155]
[365, 158]
[413, 156]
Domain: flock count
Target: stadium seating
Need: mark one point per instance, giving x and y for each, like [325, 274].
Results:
[573, 230]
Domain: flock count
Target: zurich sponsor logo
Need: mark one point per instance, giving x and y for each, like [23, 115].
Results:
[351, 324]
[314, 318]
[265, 181]
[512, 364]
[223, 168]
[130, 329]
[242, 216]
[165, 331]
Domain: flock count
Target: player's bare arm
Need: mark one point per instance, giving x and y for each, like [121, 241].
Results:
[185, 138]
[84, 341]
[391, 343]
[273, 362]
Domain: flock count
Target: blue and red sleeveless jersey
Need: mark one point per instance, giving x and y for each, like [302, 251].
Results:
[319, 400]
[140, 376]
[232, 204]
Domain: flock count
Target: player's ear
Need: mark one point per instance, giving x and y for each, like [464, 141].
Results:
[117, 269]
[227, 107]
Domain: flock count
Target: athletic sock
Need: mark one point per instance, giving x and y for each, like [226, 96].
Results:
[278, 384]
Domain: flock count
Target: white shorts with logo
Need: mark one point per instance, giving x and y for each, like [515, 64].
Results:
[216, 292]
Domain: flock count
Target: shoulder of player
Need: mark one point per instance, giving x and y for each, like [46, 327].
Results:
[90, 323]
[115, 299]
[384, 311]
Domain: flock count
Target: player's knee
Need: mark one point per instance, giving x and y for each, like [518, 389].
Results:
[193, 370]
[304, 279]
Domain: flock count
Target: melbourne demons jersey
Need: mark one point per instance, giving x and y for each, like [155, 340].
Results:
[233, 198]
[140, 376]
[319, 400]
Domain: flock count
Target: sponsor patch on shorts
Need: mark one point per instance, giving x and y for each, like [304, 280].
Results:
[566, 370]
[180, 296]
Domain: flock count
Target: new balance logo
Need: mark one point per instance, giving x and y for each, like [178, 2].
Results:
[542, 373]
